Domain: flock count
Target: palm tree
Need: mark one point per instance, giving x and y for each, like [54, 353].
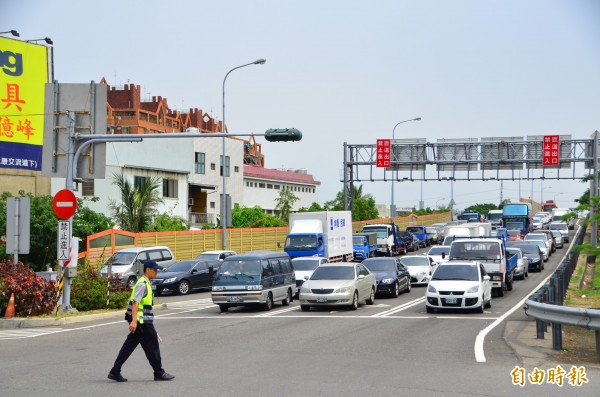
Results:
[138, 204]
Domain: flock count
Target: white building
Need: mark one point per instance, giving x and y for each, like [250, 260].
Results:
[262, 187]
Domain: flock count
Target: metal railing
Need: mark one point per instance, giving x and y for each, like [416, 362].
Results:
[546, 304]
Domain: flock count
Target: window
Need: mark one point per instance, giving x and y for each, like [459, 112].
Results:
[261, 185]
[236, 169]
[200, 163]
[226, 166]
[249, 184]
[212, 204]
[212, 166]
[170, 188]
[87, 187]
[277, 187]
[269, 186]
[138, 181]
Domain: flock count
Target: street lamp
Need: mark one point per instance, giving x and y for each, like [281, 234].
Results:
[392, 206]
[13, 32]
[224, 198]
[48, 40]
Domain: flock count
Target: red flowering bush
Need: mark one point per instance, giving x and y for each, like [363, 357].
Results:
[34, 295]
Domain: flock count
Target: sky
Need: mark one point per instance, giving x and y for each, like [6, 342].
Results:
[347, 71]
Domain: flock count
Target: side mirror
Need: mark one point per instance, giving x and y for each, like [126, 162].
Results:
[193, 271]
[211, 269]
[306, 277]
[361, 276]
[428, 277]
[443, 255]
[278, 244]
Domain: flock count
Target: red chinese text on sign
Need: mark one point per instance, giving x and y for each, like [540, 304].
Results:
[384, 157]
[551, 151]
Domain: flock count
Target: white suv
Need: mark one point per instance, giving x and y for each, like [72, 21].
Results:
[128, 263]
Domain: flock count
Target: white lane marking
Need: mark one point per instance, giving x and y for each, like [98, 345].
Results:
[276, 312]
[400, 308]
[22, 333]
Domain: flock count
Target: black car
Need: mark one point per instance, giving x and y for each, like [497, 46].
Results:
[392, 276]
[185, 276]
[531, 252]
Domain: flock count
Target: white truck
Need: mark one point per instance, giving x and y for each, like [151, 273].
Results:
[558, 213]
[491, 252]
[326, 234]
[469, 230]
[388, 240]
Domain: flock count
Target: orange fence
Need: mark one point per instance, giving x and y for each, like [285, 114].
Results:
[189, 243]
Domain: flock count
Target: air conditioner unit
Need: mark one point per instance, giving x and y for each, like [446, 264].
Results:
[190, 201]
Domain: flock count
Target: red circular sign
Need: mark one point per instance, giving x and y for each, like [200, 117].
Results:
[64, 204]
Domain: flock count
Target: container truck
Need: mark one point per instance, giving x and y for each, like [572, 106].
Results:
[517, 216]
[389, 241]
[326, 234]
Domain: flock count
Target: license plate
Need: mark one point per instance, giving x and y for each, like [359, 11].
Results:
[451, 301]
[321, 300]
[234, 299]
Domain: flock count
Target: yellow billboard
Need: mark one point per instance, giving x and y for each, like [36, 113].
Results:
[24, 72]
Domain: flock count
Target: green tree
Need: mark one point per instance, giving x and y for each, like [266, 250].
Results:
[242, 216]
[482, 209]
[165, 222]
[363, 206]
[138, 205]
[44, 228]
[284, 203]
[314, 207]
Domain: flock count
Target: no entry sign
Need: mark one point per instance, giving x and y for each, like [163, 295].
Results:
[64, 204]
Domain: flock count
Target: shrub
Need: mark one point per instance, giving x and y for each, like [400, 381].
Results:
[88, 290]
[34, 295]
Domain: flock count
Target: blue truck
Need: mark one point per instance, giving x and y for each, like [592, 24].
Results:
[365, 245]
[491, 253]
[517, 216]
[421, 232]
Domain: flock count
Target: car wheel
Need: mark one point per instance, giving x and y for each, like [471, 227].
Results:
[526, 272]
[130, 282]
[183, 287]
[500, 291]
[396, 290]
[488, 305]
[268, 305]
[371, 299]
[354, 304]
[304, 308]
[408, 286]
[480, 308]
[429, 309]
[509, 285]
[223, 308]
[288, 298]
[158, 292]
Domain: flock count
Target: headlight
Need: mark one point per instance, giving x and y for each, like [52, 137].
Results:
[170, 280]
[218, 288]
[387, 281]
[343, 290]
[254, 287]
[421, 273]
[431, 288]
[305, 290]
[473, 289]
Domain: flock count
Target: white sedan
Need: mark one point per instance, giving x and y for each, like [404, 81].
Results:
[459, 285]
[439, 253]
[420, 268]
[338, 284]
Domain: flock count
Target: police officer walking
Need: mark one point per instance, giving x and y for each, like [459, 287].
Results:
[141, 331]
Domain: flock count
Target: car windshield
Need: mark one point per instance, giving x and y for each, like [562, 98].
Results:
[415, 261]
[235, 267]
[514, 233]
[556, 234]
[558, 226]
[534, 236]
[121, 258]
[305, 264]
[472, 250]
[333, 273]
[456, 272]
[439, 250]
[378, 265]
[358, 240]
[212, 256]
[539, 243]
[414, 229]
[528, 248]
[183, 266]
[301, 243]
[382, 232]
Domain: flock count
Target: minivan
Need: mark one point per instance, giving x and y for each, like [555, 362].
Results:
[128, 263]
[256, 278]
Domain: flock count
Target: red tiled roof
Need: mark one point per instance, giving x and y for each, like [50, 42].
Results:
[279, 175]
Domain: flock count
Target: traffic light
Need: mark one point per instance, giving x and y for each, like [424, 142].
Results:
[283, 135]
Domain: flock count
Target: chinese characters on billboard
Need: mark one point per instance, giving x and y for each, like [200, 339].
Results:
[23, 74]
[551, 150]
[383, 153]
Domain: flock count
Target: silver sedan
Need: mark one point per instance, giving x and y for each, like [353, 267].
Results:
[338, 284]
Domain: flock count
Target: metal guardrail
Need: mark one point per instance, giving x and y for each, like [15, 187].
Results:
[546, 304]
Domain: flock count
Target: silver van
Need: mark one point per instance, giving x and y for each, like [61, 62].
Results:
[128, 263]
[256, 278]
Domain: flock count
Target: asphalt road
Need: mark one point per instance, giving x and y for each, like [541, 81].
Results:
[391, 348]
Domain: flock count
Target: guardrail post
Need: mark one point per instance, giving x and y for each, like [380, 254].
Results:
[539, 329]
[598, 346]
[545, 299]
[557, 336]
